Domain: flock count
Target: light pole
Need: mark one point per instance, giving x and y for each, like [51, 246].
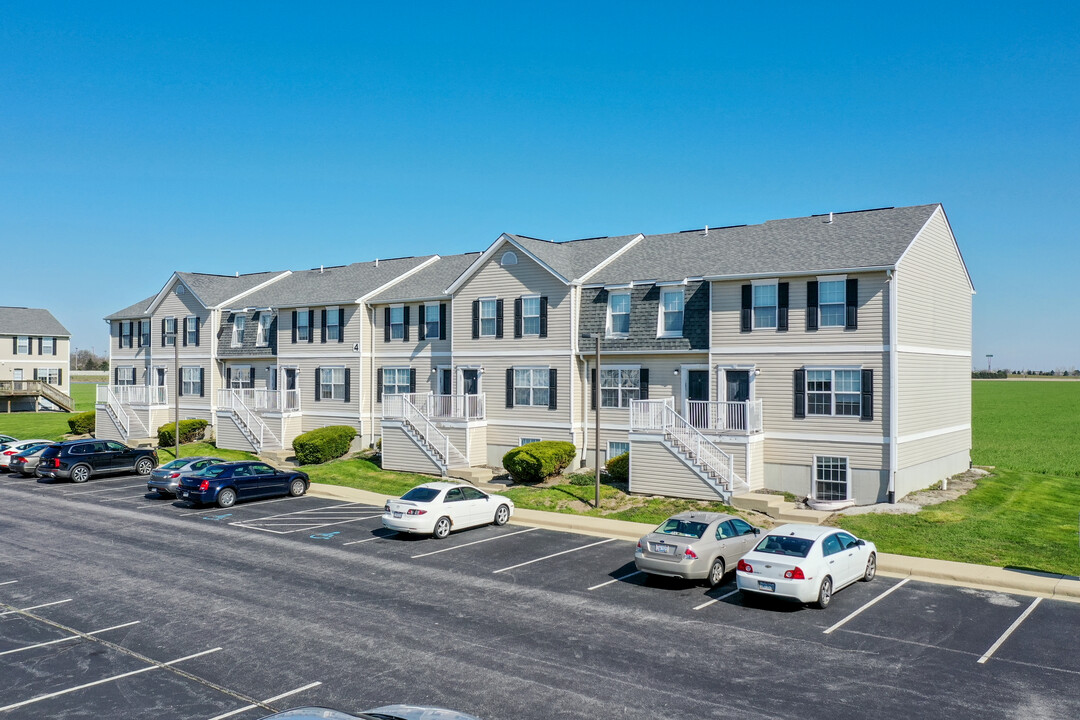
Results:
[988, 358]
[596, 404]
[176, 390]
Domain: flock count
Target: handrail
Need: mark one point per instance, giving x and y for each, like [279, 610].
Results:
[230, 399]
[435, 438]
[117, 410]
[441, 407]
[741, 417]
[141, 394]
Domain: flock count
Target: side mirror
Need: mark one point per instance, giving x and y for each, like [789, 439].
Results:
[757, 531]
[860, 543]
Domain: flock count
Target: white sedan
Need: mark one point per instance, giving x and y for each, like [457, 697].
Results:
[807, 563]
[439, 507]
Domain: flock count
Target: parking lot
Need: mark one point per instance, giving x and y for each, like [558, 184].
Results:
[117, 603]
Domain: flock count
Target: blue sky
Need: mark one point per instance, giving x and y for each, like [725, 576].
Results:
[137, 139]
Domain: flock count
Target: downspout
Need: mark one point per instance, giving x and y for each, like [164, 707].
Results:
[371, 388]
[894, 385]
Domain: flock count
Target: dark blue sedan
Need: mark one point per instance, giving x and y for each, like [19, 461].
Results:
[225, 483]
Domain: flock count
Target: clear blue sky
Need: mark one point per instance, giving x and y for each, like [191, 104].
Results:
[135, 139]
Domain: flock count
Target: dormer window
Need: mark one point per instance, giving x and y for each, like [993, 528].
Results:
[265, 321]
[239, 321]
[509, 258]
[619, 314]
[671, 312]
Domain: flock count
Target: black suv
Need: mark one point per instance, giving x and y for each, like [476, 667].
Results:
[80, 460]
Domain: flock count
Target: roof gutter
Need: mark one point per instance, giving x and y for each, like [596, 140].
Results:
[800, 273]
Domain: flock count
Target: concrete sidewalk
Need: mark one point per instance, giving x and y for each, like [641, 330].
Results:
[947, 572]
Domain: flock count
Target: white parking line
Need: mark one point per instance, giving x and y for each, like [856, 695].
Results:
[303, 527]
[267, 701]
[35, 607]
[870, 604]
[111, 678]
[564, 552]
[716, 600]
[310, 519]
[377, 537]
[140, 496]
[210, 509]
[8, 582]
[99, 490]
[475, 542]
[618, 579]
[1005, 635]
[71, 637]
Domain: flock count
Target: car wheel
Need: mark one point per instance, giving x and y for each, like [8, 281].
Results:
[442, 528]
[80, 473]
[226, 498]
[502, 515]
[871, 568]
[144, 466]
[716, 572]
[824, 593]
[297, 487]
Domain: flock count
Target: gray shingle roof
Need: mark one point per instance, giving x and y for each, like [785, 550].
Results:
[30, 321]
[330, 286]
[138, 310]
[429, 282]
[868, 238]
[573, 258]
[216, 289]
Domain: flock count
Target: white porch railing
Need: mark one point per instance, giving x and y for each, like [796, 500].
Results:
[437, 407]
[739, 418]
[422, 425]
[250, 422]
[115, 408]
[139, 394]
[660, 416]
[263, 399]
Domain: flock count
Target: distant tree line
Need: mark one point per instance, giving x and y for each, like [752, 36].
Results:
[1006, 373]
[86, 360]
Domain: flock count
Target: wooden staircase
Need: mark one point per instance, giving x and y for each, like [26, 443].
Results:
[11, 389]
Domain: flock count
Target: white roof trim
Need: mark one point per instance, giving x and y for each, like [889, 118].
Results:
[260, 286]
[165, 291]
[800, 273]
[956, 246]
[399, 278]
[611, 258]
[487, 255]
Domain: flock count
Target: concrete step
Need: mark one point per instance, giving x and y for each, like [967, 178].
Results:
[142, 442]
[776, 507]
[280, 458]
[471, 474]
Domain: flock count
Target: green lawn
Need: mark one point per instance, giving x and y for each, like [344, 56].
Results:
[362, 473]
[202, 448]
[1027, 425]
[47, 425]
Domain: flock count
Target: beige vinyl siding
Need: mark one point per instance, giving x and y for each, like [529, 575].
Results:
[923, 450]
[106, 429]
[872, 317]
[180, 307]
[506, 424]
[399, 452]
[934, 392]
[655, 470]
[115, 332]
[933, 292]
[663, 382]
[292, 425]
[866, 485]
[9, 361]
[867, 456]
[413, 346]
[939, 466]
[229, 435]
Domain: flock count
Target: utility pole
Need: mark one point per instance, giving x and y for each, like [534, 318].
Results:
[596, 403]
[176, 393]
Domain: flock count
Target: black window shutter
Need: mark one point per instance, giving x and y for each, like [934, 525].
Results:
[405, 324]
[386, 324]
[228, 377]
[311, 326]
[499, 318]
[643, 393]
[781, 307]
[139, 325]
[184, 332]
[868, 394]
[341, 325]
[378, 385]
[35, 374]
[509, 387]
[442, 321]
[322, 325]
[348, 384]
[60, 376]
[592, 389]
[294, 327]
[318, 384]
[41, 342]
[852, 306]
[747, 302]
[196, 332]
[517, 317]
[55, 342]
[475, 319]
[180, 382]
[202, 385]
[811, 305]
[15, 345]
[543, 316]
[412, 380]
[800, 393]
[553, 389]
[421, 315]
[116, 376]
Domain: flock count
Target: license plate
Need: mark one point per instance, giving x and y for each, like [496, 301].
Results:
[184, 494]
[397, 514]
[766, 586]
[657, 547]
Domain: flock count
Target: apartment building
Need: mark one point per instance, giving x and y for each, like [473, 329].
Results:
[826, 355]
[34, 361]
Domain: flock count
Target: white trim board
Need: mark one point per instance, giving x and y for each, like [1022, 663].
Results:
[933, 433]
[804, 349]
[829, 437]
[916, 350]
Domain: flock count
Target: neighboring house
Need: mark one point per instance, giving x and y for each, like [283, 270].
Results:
[35, 351]
[828, 356]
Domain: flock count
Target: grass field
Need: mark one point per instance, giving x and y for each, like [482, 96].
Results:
[1027, 425]
[47, 425]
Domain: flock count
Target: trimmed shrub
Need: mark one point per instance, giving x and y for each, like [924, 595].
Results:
[322, 444]
[536, 461]
[582, 479]
[190, 431]
[82, 423]
[618, 467]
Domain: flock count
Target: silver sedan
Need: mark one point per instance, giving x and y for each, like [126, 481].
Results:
[696, 546]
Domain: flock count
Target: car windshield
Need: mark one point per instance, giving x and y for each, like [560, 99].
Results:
[682, 528]
[780, 545]
[421, 494]
[212, 471]
[175, 464]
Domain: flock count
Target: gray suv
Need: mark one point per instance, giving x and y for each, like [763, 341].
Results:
[80, 460]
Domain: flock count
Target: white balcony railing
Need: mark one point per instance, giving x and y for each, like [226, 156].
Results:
[436, 407]
[262, 399]
[735, 418]
[137, 394]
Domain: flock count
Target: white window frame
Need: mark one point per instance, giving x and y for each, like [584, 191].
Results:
[272, 377]
[494, 305]
[337, 389]
[397, 327]
[525, 316]
[610, 325]
[48, 345]
[532, 387]
[191, 331]
[842, 279]
[190, 383]
[814, 477]
[833, 392]
[262, 337]
[611, 453]
[508, 258]
[17, 374]
[528, 440]
[662, 312]
[755, 284]
[237, 372]
[303, 322]
[238, 328]
[333, 320]
[49, 375]
[144, 333]
[398, 372]
[126, 334]
[432, 328]
[171, 330]
[23, 345]
[123, 370]
[621, 401]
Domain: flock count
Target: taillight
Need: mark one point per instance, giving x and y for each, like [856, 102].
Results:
[386, 507]
[416, 511]
[638, 544]
[174, 475]
[205, 485]
[795, 574]
[745, 567]
[689, 552]
[9, 452]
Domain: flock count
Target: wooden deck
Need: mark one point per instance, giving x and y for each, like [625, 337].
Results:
[19, 389]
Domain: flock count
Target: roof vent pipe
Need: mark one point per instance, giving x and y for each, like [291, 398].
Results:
[237, 273]
[706, 229]
[320, 269]
[376, 262]
[830, 217]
